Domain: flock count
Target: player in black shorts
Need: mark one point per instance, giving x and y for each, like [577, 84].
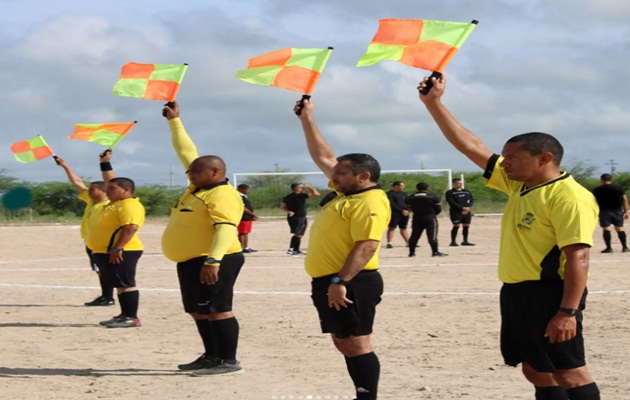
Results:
[425, 207]
[460, 201]
[400, 213]
[613, 210]
[294, 204]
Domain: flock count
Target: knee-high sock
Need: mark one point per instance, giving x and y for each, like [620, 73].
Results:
[365, 371]
[623, 239]
[454, 234]
[465, 233]
[551, 393]
[226, 332]
[607, 237]
[207, 337]
[295, 243]
[107, 291]
[586, 392]
[129, 302]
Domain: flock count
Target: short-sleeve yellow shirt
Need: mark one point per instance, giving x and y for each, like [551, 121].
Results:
[115, 215]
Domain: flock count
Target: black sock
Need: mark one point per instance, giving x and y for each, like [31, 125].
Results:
[465, 233]
[226, 334]
[364, 371]
[551, 393]
[434, 247]
[294, 245]
[607, 237]
[122, 304]
[207, 337]
[107, 291]
[129, 303]
[622, 239]
[298, 241]
[586, 392]
[454, 234]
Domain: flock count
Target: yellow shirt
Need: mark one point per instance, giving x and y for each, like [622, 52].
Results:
[538, 222]
[92, 211]
[341, 223]
[192, 228]
[104, 230]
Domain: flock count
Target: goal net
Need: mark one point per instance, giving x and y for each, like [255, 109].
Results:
[268, 188]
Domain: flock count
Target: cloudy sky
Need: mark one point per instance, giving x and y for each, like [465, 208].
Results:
[558, 66]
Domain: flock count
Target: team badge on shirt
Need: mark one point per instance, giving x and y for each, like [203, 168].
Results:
[526, 222]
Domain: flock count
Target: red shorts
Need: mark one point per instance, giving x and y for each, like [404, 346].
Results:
[245, 227]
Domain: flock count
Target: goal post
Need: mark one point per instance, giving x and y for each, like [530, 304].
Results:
[268, 188]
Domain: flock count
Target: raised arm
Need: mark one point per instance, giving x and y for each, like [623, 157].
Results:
[463, 139]
[312, 191]
[321, 153]
[182, 143]
[72, 177]
[106, 167]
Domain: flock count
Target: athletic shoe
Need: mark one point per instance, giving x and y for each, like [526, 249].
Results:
[201, 362]
[100, 301]
[125, 323]
[412, 254]
[438, 254]
[453, 244]
[625, 250]
[221, 368]
[290, 252]
[607, 250]
[248, 250]
[298, 253]
[467, 244]
[113, 319]
[389, 246]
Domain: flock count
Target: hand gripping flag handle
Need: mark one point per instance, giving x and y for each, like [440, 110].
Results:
[437, 75]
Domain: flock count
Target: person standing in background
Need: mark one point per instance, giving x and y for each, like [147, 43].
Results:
[400, 213]
[460, 202]
[294, 204]
[249, 216]
[613, 210]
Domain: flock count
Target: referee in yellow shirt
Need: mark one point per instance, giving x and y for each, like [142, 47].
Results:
[546, 235]
[202, 238]
[342, 257]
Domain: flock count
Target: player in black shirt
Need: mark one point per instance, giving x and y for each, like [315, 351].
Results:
[613, 209]
[460, 202]
[294, 204]
[425, 207]
[400, 213]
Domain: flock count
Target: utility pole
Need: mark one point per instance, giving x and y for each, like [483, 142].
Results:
[170, 172]
[612, 164]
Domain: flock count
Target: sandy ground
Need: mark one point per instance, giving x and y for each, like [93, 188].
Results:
[436, 331]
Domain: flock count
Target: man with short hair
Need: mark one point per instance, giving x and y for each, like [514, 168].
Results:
[95, 199]
[343, 254]
[460, 202]
[400, 213]
[546, 234]
[613, 210]
[249, 216]
[117, 248]
[425, 207]
[201, 237]
[294, 204]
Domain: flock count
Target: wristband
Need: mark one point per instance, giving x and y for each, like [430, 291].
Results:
[116, 249]
[106, 166]
[570, 311]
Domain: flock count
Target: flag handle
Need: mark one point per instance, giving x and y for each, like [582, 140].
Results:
[429, 83]
[170, 104]
[301, 107]
[54, 156]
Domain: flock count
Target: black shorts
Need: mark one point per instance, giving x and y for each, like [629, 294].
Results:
[365, 290]
[610, 217]
[297, 224]
[526, 309]
[207, 299]
[93, 265]
[118, 275]
[398, 221]
[457, 218]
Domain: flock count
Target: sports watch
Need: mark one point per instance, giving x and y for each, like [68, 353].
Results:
[570, 311]
[338, 280]
[116, 249]
[212, 261]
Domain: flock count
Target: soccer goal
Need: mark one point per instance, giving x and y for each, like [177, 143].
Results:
[268, 188]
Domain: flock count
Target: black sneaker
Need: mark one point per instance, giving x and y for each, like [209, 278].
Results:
[248, 250]
[467, 244]
[100, 301]
[625, 250]
[389, 246]
[453, 244]
[220, 368]
[412, 254]
[607, 250]
[117, 318]
[200, 363]
[438, 254]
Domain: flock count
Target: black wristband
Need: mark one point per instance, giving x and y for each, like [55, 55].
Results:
[570, 311]
[106, 166]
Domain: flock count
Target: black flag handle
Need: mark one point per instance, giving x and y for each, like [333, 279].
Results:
[429, 83]
[170, 104]
[301, 107]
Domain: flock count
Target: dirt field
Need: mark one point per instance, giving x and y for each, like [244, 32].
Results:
[436, 331]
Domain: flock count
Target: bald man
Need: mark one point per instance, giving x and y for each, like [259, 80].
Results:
[202, 238]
